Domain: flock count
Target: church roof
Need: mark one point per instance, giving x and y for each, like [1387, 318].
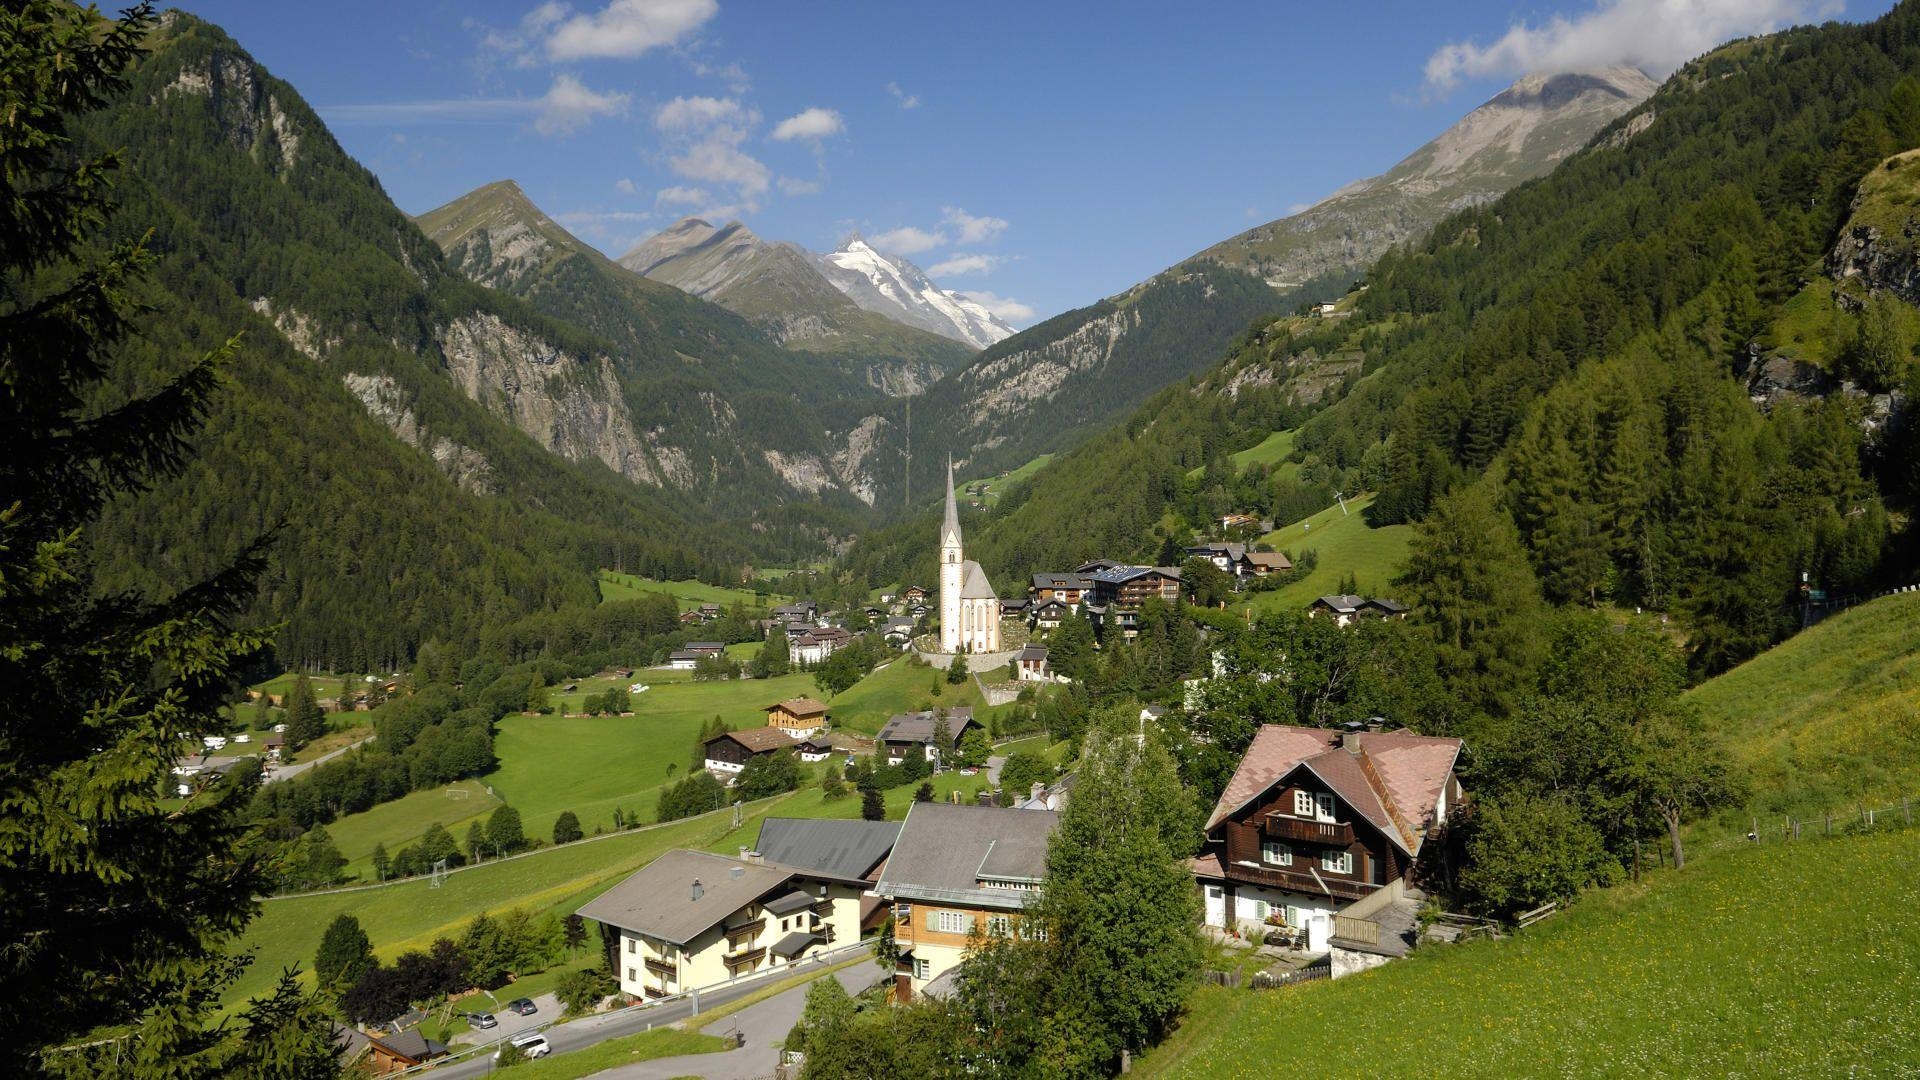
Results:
[951, 527]
[974, 584]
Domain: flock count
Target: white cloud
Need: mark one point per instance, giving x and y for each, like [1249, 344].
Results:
[1299, 208]
[732, 74]
[1654, 35]
[569, 105]
[692, 114]
[1006, 307]
[960, 263]
[791, 186]
[906, 100]
[682, 196]
[625, 187]
[626, 28]
[907, 240]
[717, 160]
[815, 123]
[969, 229]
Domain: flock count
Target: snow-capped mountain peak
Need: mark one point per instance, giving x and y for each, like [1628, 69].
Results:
[890, 285]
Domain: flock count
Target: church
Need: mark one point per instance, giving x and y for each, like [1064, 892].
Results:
[969, 611]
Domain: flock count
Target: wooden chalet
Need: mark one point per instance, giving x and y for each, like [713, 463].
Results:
[798, 717]
[729, 751]
[912, 733]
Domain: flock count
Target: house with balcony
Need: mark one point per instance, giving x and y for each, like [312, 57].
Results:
[956, 870]
[1069, 589]
[798, 717]
[905, 734]
[1320, 830]
[691, 920]
[1117, 593]
[849, 853]
[727, 753]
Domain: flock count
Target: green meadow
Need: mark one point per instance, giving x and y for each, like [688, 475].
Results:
[1781, 960]
[1346, 545]
[1271, 451]
[690, 594]
[998, 485]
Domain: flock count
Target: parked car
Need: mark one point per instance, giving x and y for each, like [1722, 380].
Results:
[482, 1021]
[523, 1006]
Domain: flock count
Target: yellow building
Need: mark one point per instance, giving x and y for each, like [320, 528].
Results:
[955, 870]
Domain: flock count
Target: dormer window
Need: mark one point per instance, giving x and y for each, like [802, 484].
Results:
[1323, 806]
[1303, 804]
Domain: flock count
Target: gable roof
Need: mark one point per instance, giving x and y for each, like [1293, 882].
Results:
[917, 727]
[974, 584]
[1275, 559]
[658, 899]
[800, 706]
[759, 740]
[1393, 779]
[1343, 603]
[945, 850]
[848, 850]
[409, 1044]
[1032, 651]
[1059, 581]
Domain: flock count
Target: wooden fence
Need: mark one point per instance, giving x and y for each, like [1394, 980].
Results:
[1786, 828]
[1272, 980]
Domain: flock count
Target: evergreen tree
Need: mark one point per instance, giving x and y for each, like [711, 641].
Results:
[345, 954]
[773, 658]
[957, 671]
[566, 828]
[942, 737]
[305, 720]
[873, 807]
[117, 910]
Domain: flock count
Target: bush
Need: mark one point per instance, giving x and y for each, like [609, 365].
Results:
[581, 989]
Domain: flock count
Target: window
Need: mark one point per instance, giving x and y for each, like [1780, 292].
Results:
[632, 975]
[630, 945]
[902, 913]
[1303, 804]
[1338, 862]
[1324, 806]
[999, 926]
[1275, 852]
[923, 969]
[1261, 909]
[1294, 916]
[949, 922]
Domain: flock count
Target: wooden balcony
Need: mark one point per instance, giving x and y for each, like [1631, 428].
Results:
[664, 968]
[742, 959]
[1299, 880]
[1285, 827]
[751, 926]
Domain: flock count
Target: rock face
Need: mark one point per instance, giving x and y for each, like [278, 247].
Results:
[1879, 247]
[569, 404]
[249, 115]
[386, 402]
[850, 461]
[1020, 382]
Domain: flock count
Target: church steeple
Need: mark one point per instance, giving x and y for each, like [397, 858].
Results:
[950, 529]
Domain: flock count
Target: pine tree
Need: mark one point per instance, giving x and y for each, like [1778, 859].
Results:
[382, 862]
[344, 955]
[117, 910]
[873, 807]
[305, 720]
[566, 828]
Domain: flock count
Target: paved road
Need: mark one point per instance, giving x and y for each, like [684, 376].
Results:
[288, 772]
[597, 1029]
[993, 770]
[764, 1024]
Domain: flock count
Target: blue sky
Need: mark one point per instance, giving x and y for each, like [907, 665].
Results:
[1039, 155]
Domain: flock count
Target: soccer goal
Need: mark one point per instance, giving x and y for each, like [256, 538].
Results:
[459, 794]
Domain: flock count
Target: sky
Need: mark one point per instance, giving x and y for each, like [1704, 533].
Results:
[1037, 156]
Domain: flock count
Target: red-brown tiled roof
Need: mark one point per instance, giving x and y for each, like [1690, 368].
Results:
[758, 740]
[1394, 780]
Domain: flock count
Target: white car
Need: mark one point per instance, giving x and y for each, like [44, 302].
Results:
[531, 1043]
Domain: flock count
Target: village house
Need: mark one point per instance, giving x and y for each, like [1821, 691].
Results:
[814, 646]
[1048, 615]
[689, 655]
[1118, 593]
[1094, 566]
[897, 632]
[1031, 664]
[798, 717]
[1245, 521]
[847, 852]
[1240, 560]
[1345, 609]
[1319, 830]
[690, 617]
[911, 733]
[729, 751]
[1069, 589]
[395, 1053]
[914, 594]
[800, 613]
[1261, 563]
[1015, 608]
[956, 868]
[814, 748]
[691, 919]
[709, 612]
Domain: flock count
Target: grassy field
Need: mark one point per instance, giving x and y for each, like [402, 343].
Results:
[1830, 718]
[1710, 972]
[690, 594]
[401, 822]
[998, 485]
[1346, 545]
[1271, 450]
[590, 765]
[895, 688]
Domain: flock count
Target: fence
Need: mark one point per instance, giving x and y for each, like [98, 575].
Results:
[1273, 980]
[1787, 828]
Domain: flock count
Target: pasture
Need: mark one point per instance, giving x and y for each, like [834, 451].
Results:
[690, 594]
[1705, 972]
[1346, 544]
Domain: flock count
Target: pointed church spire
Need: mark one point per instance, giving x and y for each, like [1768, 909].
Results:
[952, 525]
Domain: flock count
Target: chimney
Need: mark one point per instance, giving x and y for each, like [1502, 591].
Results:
[699, 890]
[1039, 791]
[736, 872]
[743, 852]
[1350, 740]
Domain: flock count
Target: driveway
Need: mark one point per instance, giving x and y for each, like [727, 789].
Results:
[764, 1024]
[993, 770]
[511, 1023]
[288, 772]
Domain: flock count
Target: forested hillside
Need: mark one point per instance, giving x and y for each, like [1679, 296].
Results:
[1593, 346]
[406, 510]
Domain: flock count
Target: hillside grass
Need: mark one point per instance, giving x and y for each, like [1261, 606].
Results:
[1346, 544]
[690, 594]
[1828, 719]
[404, 820]
[998, 485]
[1783, 960]
[1272, 451]
[1810, 326]
[896, 688]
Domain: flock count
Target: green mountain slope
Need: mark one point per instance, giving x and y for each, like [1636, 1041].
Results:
[1705, 972]
[411, 511]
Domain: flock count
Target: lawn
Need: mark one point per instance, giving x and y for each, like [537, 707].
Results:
[1829, 718]
[897, 687]
[1346, 544]
[1271, 450]
[1701, 973]
[690, 594]
[998, 485]
[401, 822]
[590, 765]
[410, 914]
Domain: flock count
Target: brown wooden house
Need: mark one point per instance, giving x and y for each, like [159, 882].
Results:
[729, 751]
[1315, 821]
[798, 717]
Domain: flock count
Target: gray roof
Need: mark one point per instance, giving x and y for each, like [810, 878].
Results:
[951, 526]
[1342, 603]
[1032, 652]
[658, 899]
[796, 943]
[1059, 581]
[946, 850]
[847, 850]
[974, 584]
[788, 903]
[917, 727]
